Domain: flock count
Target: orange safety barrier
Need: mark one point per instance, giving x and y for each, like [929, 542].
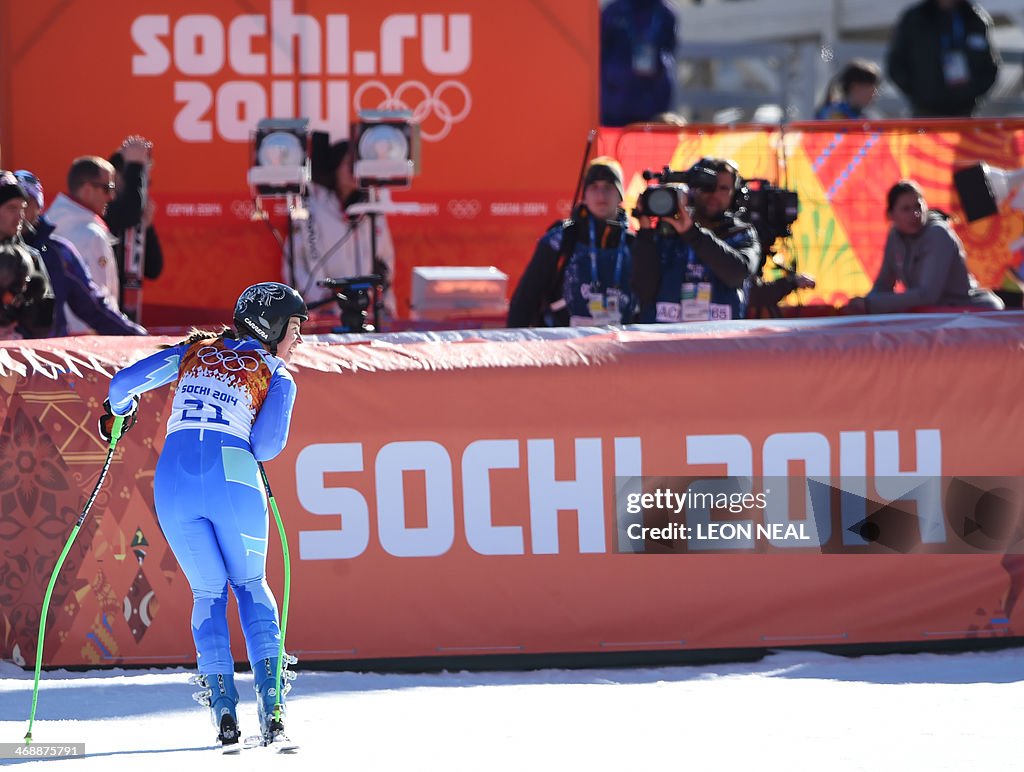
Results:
[449, 499]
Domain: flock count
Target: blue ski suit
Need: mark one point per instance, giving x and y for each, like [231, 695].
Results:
[232, 407]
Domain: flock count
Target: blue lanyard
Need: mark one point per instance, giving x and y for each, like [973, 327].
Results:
[595, 280]
[689, 273]
[957, 38]
[652, 30]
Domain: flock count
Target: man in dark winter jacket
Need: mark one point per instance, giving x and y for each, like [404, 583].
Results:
[638, 64]
[73, 287]
[941, 58]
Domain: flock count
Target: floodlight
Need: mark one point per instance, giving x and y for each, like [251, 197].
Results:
[387, 148]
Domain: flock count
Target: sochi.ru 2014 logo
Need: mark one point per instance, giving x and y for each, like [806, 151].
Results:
[221, 67]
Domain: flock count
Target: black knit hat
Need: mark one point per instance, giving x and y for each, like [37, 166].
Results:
[607, 169]
[10, 188]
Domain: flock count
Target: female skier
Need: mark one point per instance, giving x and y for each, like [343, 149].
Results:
[232, 407]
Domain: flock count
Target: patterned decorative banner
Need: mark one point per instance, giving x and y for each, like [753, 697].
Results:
[842, 172]
[457, 498]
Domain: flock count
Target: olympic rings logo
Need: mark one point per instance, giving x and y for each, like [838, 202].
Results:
[242, 209]
[232, 361]
[464, 209]
[427, 103]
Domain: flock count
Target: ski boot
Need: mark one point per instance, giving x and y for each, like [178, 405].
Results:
[272, 726]
[221, 697]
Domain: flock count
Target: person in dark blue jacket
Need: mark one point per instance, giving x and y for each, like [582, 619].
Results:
[232, 408]
[638, 63]
[73, 287]
[581, 271]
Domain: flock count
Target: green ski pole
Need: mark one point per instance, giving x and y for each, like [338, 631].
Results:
[115, 435]
[287, 587]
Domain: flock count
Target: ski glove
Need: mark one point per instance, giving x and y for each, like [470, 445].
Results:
[106, 422]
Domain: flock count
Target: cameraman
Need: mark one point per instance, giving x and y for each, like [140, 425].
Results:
[693, 267]
[26, 298]
[581, 271]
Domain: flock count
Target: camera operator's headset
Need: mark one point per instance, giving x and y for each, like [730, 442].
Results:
[719, 165]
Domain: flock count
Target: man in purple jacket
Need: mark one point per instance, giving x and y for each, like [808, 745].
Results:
[73, 287]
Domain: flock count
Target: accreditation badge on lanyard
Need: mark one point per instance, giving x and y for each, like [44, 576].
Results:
[605, 307]
[954, 68]
[954, 59]
[645, 53]
[696, 301]
[645, 58]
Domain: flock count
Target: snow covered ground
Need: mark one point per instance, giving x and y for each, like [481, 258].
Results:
[790, 711]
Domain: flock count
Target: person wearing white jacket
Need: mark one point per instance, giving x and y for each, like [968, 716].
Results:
[330, 244]
[78, 217]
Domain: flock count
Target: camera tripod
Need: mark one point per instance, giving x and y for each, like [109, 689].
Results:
[352, 295]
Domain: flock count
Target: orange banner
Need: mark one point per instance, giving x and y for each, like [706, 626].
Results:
[460, 498]
[504, 94]
[502, 144]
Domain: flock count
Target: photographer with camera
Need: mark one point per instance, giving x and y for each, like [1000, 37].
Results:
[26, 298]
[694, 263]
[581, 271]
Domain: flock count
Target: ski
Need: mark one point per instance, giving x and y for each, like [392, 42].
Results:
[279, 744]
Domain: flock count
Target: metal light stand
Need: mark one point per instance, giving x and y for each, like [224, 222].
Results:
[375, 207]
[295, 211]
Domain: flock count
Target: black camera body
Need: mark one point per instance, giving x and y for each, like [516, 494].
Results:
[770, 209]
[673, 190]
[26, 295]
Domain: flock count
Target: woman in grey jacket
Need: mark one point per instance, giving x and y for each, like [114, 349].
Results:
[924, 254]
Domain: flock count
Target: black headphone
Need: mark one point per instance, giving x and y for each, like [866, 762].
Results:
[720, 165]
